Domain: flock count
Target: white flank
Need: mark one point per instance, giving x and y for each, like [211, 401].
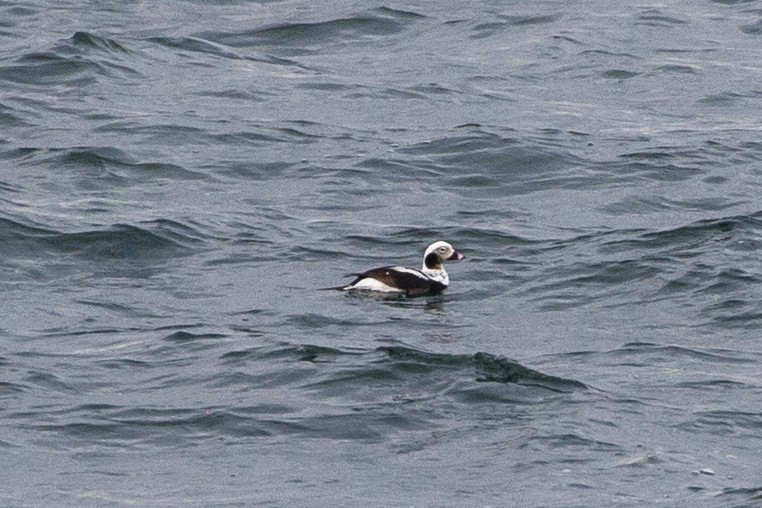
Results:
[369, 284]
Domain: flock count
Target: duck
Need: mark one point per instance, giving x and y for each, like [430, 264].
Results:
[431, 279]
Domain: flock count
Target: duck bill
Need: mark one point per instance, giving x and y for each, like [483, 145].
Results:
[456, 256]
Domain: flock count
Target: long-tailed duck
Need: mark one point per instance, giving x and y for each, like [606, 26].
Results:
[429, 280]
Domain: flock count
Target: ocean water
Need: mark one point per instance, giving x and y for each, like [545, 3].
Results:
[178, 178]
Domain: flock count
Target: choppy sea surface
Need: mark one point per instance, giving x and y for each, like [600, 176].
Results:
[178, 178]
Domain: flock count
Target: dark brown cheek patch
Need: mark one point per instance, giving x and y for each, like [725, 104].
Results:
[433, 261]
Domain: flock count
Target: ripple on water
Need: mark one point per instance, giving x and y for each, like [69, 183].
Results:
[77, 61]
[177, 180]
[284, 390]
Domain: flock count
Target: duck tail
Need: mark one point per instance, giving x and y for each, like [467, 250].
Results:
[335, 288]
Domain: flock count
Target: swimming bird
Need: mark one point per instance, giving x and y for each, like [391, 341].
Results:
[429, 280]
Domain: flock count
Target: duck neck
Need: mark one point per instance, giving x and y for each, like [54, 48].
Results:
[437, 274]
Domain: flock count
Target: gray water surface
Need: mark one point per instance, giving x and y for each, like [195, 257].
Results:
[178, 178]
